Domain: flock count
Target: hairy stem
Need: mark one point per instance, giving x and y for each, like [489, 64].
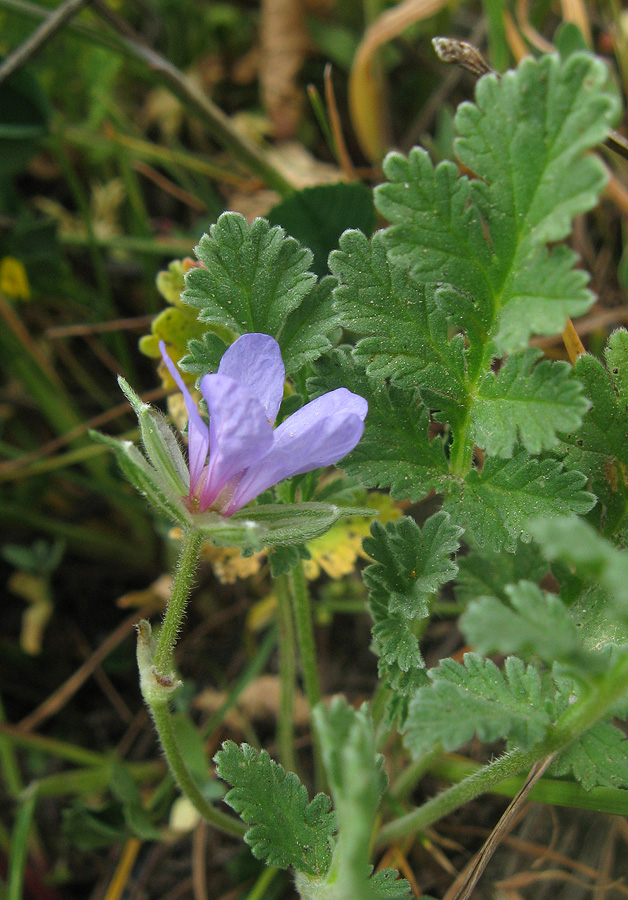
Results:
[157, 683]
[287, 674]
[173, 617]
[307, 652]
[163, 724]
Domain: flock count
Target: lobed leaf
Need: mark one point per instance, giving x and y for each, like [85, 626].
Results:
[525, 139]
[495, 505]
[599, 757]
[530, 400]
[305, 334]
[477, 699]
[286, 830]
[395, 451]
[254, 279]
[411, 344]
[535, 624]
[599, 447]
[411, 563]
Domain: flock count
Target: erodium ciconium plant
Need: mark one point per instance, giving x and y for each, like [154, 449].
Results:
[441, 305]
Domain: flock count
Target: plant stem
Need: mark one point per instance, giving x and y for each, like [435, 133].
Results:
[287, 674]
[8, 761]
[581, 716]
[183, 579]
[163, 723]
[157, 683]
[19, 846]
[305, 634]
[307, 652]
[454, 768]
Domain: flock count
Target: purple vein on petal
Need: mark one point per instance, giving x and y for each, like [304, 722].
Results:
[239, 432]
[255, 362]
[198, 432]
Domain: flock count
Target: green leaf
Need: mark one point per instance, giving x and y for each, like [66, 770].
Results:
[410, 343]
[536, 624]
[411, 563]
[282, 559]
[529, 400]
[254, 276]
[599, 448]
[395, 451]
[477, 699]
[487, 571]
[90, 828]
[305, 335]
[317, 216]
[577, 544]
[357, 781]
[496, 504]
[525, 139]
[286, 830]
[616, 355]
[595, 614]
[397, 646]
[598, 758]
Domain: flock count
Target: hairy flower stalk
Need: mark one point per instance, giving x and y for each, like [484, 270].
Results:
[239, 455]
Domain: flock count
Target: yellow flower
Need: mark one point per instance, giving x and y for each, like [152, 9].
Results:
[13, 279]
[337, 551]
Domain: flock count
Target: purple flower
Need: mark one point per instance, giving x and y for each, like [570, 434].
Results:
[239, 455]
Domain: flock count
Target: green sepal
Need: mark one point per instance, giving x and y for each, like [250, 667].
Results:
[293, 524]
[161, 445]
[145, 479]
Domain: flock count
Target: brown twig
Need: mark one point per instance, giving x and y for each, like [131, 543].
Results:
[131, 324]
[64, 692]
[199, 861]
[9, 467]
[169, 187]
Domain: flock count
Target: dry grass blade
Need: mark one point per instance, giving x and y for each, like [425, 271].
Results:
[463, 886]
[365, 100]
[537, 40]
[342, 154]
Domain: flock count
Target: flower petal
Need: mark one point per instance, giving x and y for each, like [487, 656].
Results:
[319, 434]
[198, 432]
[239, 433]
[254, 361]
